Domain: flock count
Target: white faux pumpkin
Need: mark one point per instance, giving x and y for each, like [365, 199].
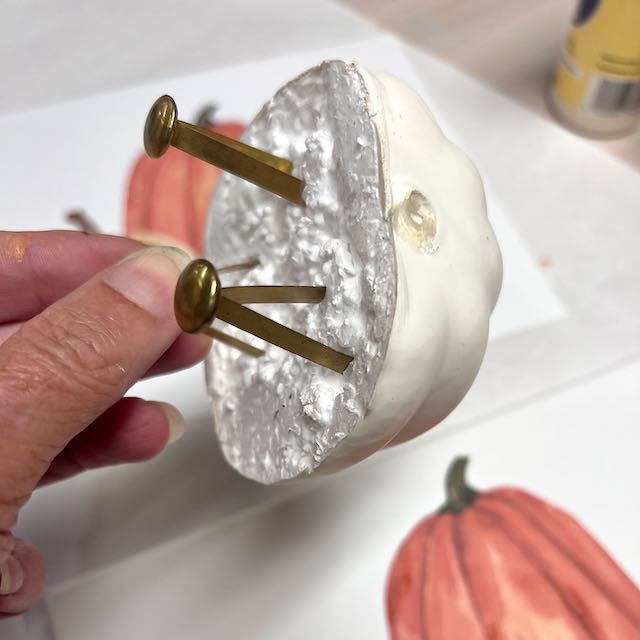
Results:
[396, 228]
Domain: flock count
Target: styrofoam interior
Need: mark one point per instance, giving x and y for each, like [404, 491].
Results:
[280, 416]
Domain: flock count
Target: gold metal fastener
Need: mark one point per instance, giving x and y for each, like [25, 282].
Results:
[163, 129]
[200, 298]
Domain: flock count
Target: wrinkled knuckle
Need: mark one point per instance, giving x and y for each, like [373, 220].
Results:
[85, 352]
[72, 355]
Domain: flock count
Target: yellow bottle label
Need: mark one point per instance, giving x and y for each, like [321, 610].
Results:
[599, 70]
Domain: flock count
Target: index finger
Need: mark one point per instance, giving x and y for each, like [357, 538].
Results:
[40, 267]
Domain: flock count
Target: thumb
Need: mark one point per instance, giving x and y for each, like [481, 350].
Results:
[69, 364]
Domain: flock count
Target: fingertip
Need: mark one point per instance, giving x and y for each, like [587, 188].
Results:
[136, 430]
[32, 578]
[175, 420]
[11, 576]
[132, 430]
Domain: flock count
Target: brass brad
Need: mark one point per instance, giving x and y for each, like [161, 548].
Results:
[160, 126]
[163, 129]
[197, 296]
[199, 299]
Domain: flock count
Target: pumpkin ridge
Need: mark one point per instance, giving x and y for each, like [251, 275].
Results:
[456, 537]
[532, 560]
[423, 579]
[137, 196]
[579, 565]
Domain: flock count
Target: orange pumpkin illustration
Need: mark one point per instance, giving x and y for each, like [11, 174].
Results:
[503, 564]
[170, 196]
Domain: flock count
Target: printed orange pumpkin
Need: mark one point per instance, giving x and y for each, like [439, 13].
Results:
[504, 564]
[170, 196]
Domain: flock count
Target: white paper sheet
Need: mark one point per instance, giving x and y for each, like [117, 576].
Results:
[316, 566]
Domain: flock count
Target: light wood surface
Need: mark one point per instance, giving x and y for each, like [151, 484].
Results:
[509, 45]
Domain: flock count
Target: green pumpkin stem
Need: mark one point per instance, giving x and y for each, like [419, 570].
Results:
[459, 493]
[206, 117]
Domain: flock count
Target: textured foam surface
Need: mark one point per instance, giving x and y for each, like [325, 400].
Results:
[280, 416]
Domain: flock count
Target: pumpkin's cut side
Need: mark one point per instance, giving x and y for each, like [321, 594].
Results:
[504, 564]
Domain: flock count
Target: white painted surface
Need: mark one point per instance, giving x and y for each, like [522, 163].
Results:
[370, 145]
[445, 295]
[280, 417]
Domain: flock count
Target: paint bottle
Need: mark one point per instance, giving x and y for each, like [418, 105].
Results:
[596, 88]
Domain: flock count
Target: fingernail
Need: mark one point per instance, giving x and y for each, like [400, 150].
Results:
[11, 576]
[175, 419]
[159, 240]
[148, 278]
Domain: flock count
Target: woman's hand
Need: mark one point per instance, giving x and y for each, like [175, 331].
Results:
[82, 318]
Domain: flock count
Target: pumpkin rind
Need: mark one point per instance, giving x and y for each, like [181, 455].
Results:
[609, 575]
[505, 564]
[448, 604]
[405, 583]
[139, 195]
